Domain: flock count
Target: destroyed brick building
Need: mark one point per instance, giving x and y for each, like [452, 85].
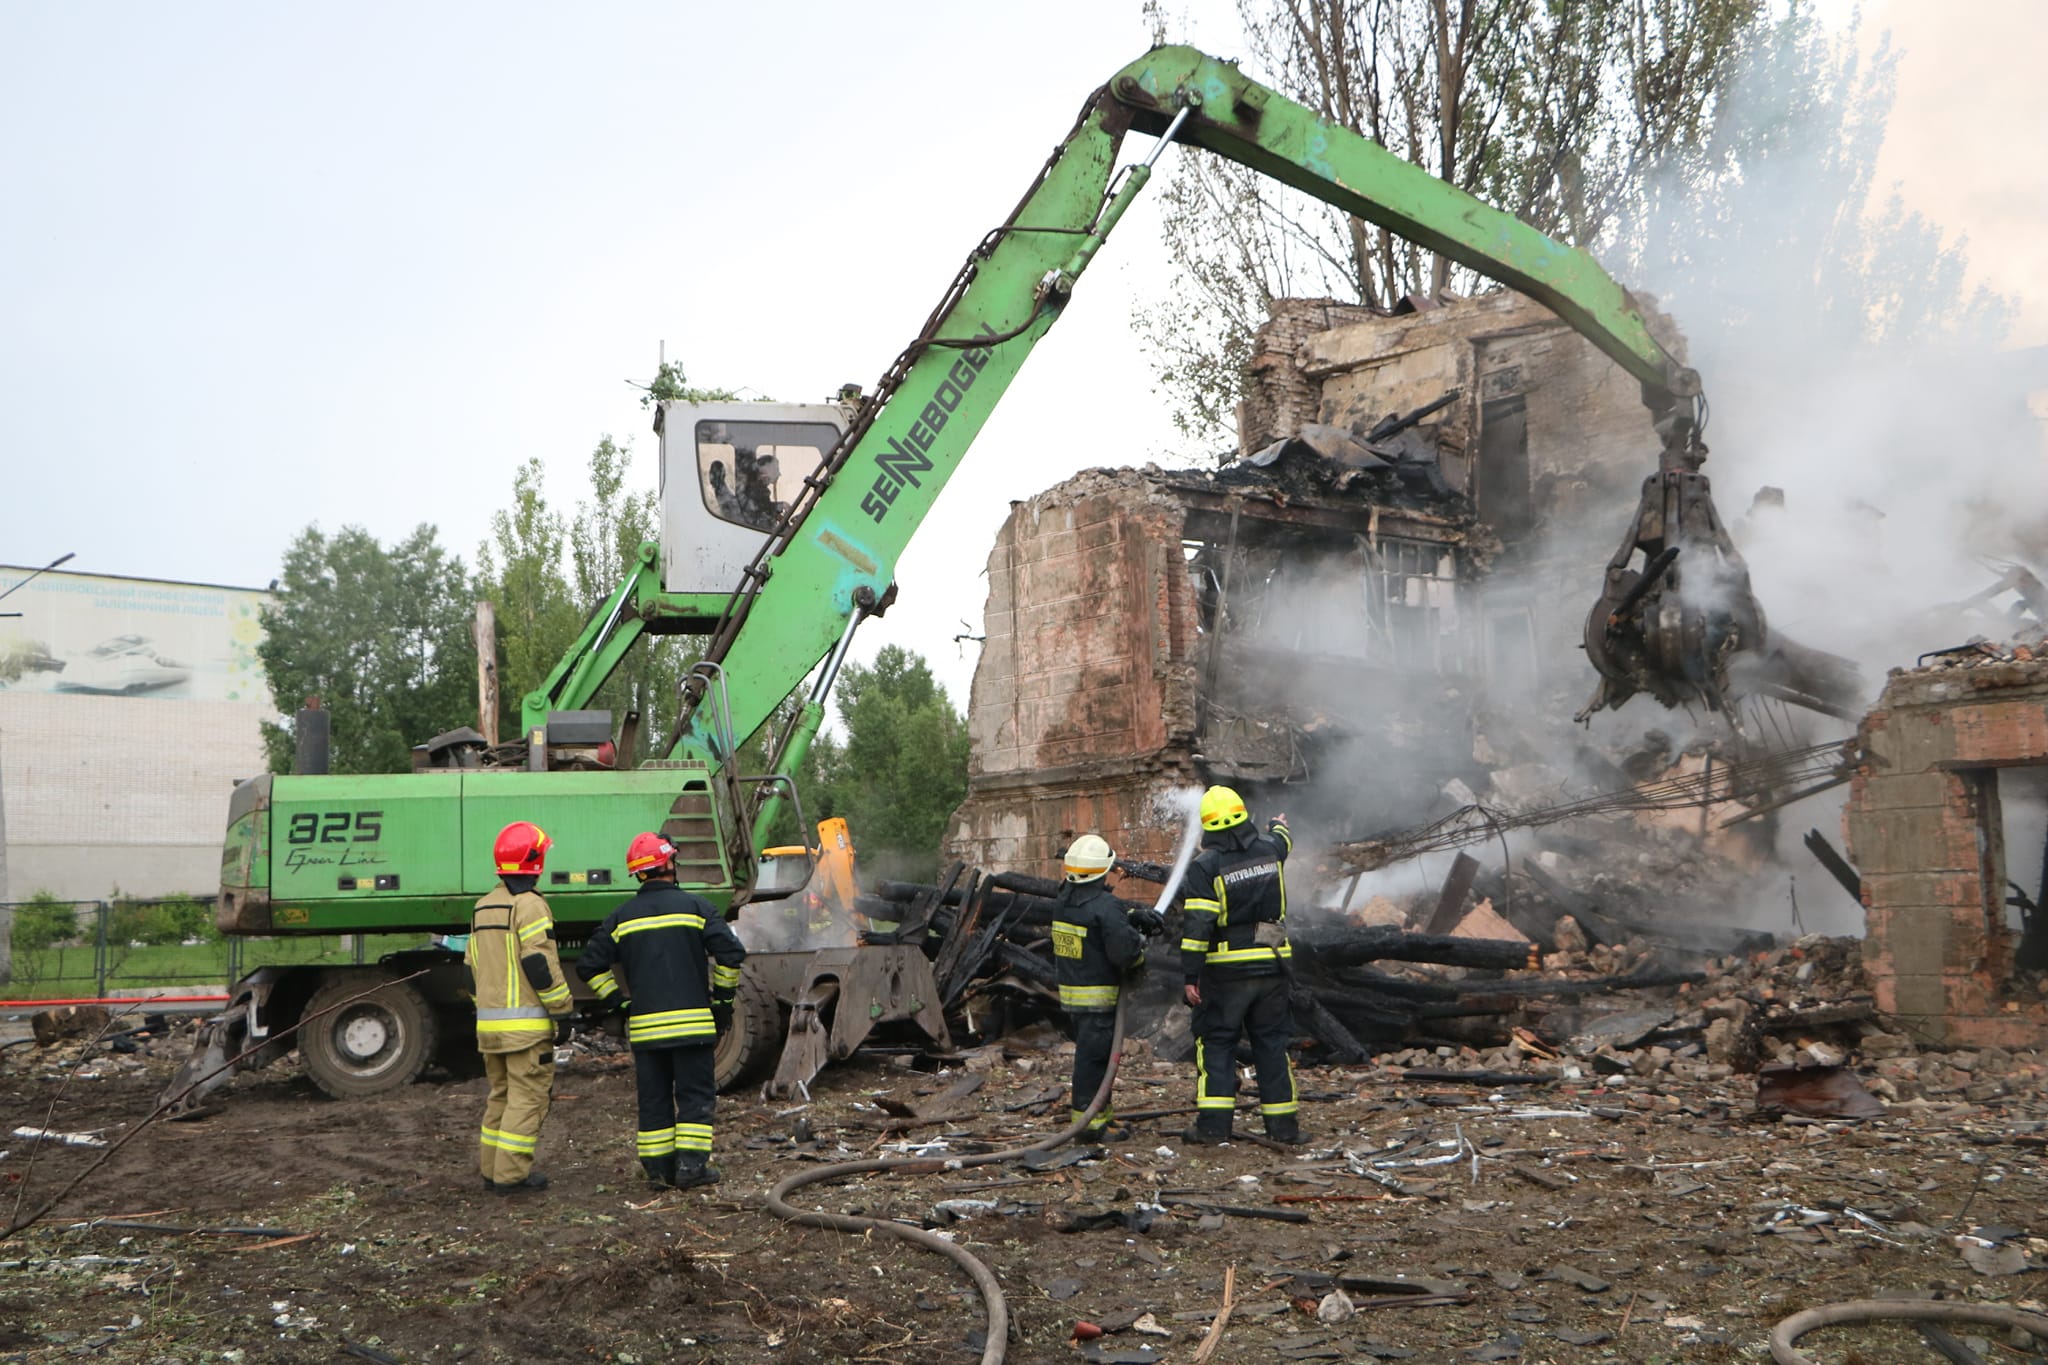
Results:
[1347, 598]
[1944, 825]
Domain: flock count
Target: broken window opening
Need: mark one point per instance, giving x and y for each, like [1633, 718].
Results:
[1506, 495]
[2017, 885]
[1391, 604]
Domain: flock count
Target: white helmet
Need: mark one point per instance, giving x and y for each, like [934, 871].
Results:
[1089, 857]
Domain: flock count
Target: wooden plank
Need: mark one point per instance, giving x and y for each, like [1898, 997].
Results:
[1450, 906]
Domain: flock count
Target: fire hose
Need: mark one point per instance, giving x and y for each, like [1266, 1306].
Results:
[996, 1342]
[1783, 1337]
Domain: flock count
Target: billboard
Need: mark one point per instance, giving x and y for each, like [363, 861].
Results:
[96, 635]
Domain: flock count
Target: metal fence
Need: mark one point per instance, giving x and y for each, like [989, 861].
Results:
[71, 949]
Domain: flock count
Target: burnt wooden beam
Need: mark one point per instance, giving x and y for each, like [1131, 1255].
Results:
[1450, 904]
[1838, 867]
[1339, 1043]
[1334, 947]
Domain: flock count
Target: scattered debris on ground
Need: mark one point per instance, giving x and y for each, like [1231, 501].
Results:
[1615, 1193]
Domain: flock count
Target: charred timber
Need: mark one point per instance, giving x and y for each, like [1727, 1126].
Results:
[1327, 946]
[1593, 985]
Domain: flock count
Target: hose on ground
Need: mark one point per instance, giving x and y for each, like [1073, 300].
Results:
[997, 1344]
[1784, 1352]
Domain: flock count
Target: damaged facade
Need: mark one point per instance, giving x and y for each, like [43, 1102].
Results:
[1360, 622]
[1341, 601]
[1955, 751]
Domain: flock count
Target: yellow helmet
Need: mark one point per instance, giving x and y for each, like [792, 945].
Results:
[1089, 857]
[1222, 808]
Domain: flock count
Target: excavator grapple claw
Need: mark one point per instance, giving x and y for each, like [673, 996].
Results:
[1676, 619]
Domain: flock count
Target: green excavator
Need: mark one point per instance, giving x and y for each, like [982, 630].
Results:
[782, 527]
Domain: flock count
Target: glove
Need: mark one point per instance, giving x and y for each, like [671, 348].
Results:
[721, 1017]
[565, 1028]
[1148, 923]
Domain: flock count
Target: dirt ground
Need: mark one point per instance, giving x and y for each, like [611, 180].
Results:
[1637, 1220]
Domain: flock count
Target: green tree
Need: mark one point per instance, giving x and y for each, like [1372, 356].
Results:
[604, 546]
[43, 921]
[520, 570]
[1557, 110]
[902, 768]
[172, 919]
[1773, 240]
[380, 634]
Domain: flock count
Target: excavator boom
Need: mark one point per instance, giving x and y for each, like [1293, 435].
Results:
[839, 541]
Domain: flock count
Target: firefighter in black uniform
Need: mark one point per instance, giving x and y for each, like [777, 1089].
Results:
[1235, 959]
[1095, 944]
[661, 939]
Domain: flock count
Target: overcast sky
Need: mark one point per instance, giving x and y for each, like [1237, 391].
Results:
[268, 265]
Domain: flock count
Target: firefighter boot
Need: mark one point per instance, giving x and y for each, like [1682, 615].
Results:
[694, 1169]
[1212, 1126]
[1285, 1129]
[661, 1170]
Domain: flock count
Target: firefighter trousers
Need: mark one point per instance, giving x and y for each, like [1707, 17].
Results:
[1232, 1006]
[1093, 1030]
[678, 1090]
[522, 1083]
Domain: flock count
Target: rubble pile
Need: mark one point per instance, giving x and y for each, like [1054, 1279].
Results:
[2025, 648]
[88, 1043]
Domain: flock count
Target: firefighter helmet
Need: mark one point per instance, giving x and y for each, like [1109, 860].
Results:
[1222, 808]
[522, 849]
[1088, 857]
[650, 853]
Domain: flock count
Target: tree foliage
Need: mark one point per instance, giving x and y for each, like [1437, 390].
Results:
[43, 921]
[1773, 235]
[1558, 111]
[670, 384]
[547, 574]
[154, 922]
[902, 767]
[520, 569]
[380, 634]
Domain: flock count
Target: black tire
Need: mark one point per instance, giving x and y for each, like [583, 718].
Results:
[378, 1043]
[754, 1041]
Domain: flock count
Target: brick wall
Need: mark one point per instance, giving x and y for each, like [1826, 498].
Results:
[1280, 394]
[1924, 828]
[1082, 708]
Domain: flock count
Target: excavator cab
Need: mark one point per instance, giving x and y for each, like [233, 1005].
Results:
[729, 472]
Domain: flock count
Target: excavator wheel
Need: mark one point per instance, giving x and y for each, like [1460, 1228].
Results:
[754, 1041]
[372, 1045]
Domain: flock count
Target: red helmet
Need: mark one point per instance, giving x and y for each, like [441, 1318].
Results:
[522, 848]
[650, 853]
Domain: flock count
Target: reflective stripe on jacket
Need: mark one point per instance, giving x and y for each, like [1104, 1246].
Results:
[511, 1015]
[1234, 917]
[679, 958]
[1092, 945]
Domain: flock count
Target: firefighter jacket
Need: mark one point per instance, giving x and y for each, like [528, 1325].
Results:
[1234, 919]
[1093, 945]
[664, 940]
[505, 929]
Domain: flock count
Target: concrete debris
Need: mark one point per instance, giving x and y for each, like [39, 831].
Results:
[1823, 1092]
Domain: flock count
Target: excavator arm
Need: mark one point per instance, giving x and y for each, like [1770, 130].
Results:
[839, 540]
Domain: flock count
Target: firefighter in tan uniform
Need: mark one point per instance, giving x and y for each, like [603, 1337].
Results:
[520, 994]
